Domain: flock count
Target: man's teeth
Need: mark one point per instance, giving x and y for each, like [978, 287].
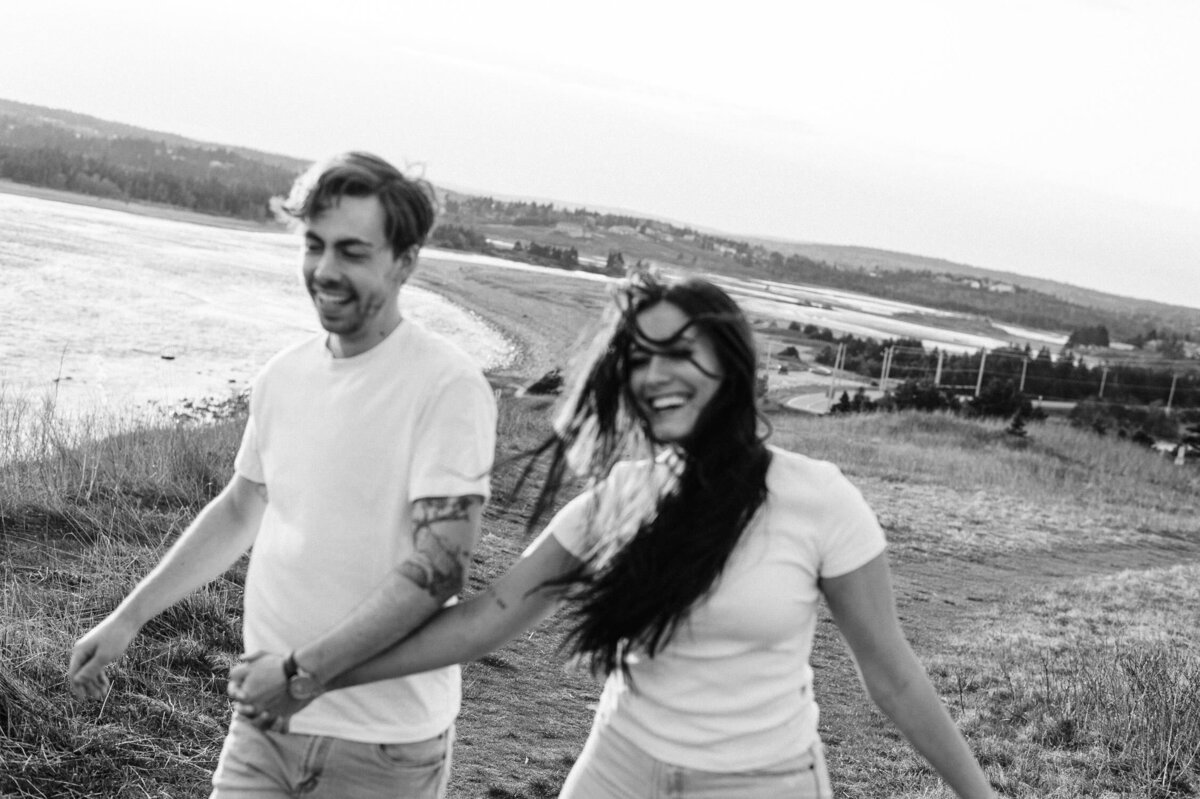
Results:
[333, 297]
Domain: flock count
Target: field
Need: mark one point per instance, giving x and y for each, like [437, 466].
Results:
[1050, 584]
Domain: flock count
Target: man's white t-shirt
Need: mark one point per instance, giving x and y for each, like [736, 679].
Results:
[732, 690]
[344, 446]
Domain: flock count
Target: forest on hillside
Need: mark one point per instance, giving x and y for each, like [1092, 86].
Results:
[207, 179]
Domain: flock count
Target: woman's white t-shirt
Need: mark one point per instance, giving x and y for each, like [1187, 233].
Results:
[732, 690]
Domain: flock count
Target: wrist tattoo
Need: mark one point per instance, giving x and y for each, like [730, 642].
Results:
[499, 600]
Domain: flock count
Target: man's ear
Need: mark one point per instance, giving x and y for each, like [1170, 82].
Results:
[405, 263]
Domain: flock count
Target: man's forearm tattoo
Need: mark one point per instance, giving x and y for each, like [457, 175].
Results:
[438, 565]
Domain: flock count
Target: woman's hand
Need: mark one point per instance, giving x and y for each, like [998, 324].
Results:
[259, 688]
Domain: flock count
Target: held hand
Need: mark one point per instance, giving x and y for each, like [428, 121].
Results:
[103, 644]
[277, 718]
[258, 680]
[260, 692]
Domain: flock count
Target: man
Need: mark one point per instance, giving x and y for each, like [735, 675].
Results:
[360, 482]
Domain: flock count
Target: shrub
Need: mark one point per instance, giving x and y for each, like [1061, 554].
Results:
[1001, 398]
[923, 395]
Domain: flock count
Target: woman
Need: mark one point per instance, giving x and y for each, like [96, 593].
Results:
[692, 566]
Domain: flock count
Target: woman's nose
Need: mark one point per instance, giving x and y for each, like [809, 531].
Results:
[656, 369]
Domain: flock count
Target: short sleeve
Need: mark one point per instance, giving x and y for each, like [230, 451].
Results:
[570, 526]
[455, 440]
[247, 463]
[851, 533]
[601, 520]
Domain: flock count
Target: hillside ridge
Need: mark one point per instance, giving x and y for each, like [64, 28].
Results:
[76, 152]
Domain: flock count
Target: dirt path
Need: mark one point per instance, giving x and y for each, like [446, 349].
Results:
[998, 577]
[544, 315]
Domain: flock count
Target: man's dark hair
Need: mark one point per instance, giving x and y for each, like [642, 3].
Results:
[408, 203]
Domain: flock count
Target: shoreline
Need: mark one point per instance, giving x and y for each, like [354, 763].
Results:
[139, 207]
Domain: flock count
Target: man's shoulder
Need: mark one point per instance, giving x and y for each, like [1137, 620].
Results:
[438, 352]
[308, 350]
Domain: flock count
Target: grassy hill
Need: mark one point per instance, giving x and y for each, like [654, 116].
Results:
[870, 259]
[1051, 585]
[62, 150]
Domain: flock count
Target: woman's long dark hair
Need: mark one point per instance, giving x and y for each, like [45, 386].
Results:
[634, 597]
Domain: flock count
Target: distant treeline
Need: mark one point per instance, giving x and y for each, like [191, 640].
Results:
[567, 257]
[1068, 377]
[1015, 305]
[458, 237]
[1021, 307]
[73, 152]
[212, 181]
[524, 213]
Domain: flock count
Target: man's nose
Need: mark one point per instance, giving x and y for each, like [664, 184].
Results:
[325, 267]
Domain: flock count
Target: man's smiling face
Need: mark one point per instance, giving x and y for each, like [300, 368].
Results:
[352, 275]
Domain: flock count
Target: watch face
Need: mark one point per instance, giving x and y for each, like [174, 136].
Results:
[303, 686]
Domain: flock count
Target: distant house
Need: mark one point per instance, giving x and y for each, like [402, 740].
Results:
[622, 230]
[572, 229]
[1002, 288]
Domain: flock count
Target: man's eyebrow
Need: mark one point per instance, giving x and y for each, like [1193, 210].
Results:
[342, 243]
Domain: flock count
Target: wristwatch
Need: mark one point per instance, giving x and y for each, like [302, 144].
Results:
[301, 685]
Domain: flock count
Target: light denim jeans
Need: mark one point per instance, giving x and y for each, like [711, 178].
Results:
[269, 765]
[612, 767]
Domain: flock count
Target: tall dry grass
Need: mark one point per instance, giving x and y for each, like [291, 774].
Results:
[87, 506]
[1077, 692]
[1090, 688]
[1058, 468]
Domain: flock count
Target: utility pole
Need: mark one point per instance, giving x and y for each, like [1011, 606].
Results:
[937, 377]
[1024, 368]
[838, 361]
[1103, 380]
[979, 381]
[887, 369]
[767, 372]
[1171, 396]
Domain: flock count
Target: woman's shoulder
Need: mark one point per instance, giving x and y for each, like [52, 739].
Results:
[810, 481]
[791, 465]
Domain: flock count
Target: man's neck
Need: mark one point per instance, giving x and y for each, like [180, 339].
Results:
[350, 346]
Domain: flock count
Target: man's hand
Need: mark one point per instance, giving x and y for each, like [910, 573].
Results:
[213, 542]
[103, 644]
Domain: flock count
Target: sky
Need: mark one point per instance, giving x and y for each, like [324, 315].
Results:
[1055, 138]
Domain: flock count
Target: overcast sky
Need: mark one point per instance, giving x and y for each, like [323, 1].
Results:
[1055, 138]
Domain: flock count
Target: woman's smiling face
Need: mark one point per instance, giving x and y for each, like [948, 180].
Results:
[674, 371]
